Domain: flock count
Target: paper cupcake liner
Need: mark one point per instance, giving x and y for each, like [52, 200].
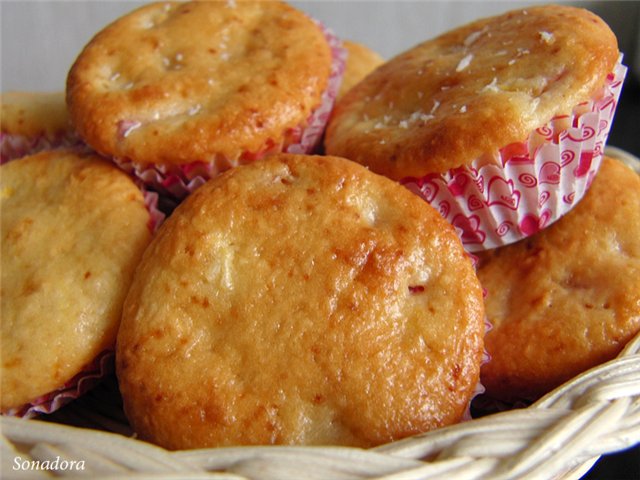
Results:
[156, 215]
[90, 376]
[527, 185]
[178, 181]
[14, 146]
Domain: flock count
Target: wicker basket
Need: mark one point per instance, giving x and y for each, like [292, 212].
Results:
[560, 436]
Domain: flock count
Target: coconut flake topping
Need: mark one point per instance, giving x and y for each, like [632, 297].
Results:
[464, 63]
[547, 37]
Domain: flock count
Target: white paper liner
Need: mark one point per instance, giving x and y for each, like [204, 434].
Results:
[178, 181]
[14, 146]
[527, 185]
[90, 376]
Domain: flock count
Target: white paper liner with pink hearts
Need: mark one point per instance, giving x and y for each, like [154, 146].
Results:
[527, 185]
[178, 181]
[90, 376]
[14, 146]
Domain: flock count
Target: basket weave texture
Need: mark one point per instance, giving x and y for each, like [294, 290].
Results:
[560, 436]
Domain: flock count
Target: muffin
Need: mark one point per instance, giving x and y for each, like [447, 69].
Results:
[178, 92]
[73, 230]
[34, 121]
[499, 124]
[300, 300]
[361, 61]
[567, 298]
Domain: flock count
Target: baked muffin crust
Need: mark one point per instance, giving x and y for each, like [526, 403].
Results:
[73, 230]
[300, 300]
[361, 61]
[473, 90]
[34, 113]
[567, 298]
[175, 83]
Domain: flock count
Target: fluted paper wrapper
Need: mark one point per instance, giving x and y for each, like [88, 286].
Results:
[13, 146]
[90, 375]
[527, 185]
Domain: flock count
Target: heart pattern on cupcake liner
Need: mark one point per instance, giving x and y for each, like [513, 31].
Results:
[526, 186]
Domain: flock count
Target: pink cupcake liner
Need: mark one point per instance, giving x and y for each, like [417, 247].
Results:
[14, 146]
[156, 216]
[89, 377]
[178, 181]
[527, 185]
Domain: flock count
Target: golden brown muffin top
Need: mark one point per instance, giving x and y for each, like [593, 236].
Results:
[361, 61]
[175, 83]
[300, 300]
[473, 90]
[34, 113]
[73, 230]
[567, 298]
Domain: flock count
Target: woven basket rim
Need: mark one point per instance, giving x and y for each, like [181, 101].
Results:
[560, 436]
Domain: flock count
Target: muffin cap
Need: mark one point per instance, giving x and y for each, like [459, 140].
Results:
[361, 61]
[567, 298]
[175, 83]
[299, 300]
[73, 229]
[34, 113]
[473, 90]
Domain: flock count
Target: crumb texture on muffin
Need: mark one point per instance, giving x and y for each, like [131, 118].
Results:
[361, 61]
[567, 298]
[473, 90]
[175, 83]
[73, 230]
[34, 113]
[300, 300]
